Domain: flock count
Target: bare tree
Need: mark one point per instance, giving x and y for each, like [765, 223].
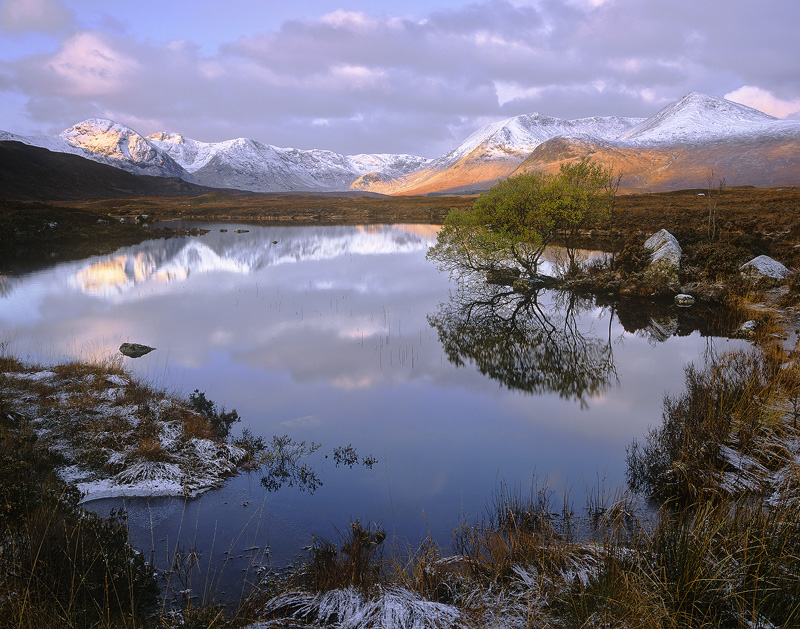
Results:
[611, 188]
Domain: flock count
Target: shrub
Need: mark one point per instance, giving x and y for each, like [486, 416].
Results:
[633, 258]
[220, 419]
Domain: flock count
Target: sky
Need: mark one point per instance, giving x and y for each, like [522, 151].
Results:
[397, 76]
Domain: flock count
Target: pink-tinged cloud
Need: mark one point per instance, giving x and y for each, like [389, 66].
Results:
[366, 80]
[88, 65]
[765, 101]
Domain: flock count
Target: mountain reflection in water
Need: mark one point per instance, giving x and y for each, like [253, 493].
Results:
[340, 335]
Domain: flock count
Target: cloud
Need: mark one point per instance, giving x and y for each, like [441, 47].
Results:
[765, 101]
[384, 83]
[90, 65]
[46, 16]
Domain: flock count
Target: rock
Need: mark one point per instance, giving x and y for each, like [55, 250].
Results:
[710, 293]
[664, 249]
[665, 261]
[240, 231]
[661, 328]
[764, 267]
[531, 284]
[135, 350]
[684, 300]
[747, 329]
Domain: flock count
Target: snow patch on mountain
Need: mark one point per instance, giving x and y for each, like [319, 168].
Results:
[108, 143]
[123, 146]
[515, 138]
[250, 165]
[698, 118]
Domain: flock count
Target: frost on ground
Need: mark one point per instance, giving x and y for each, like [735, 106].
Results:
[521, 600]
[117, 436]
[392, 608]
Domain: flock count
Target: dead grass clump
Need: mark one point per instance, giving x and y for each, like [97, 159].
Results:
[729, 564]
[734, 403]
[137, 393]
[61, 566]
[514, 531]
[617, 594]
[151, 449]
[10, 364]
[429, 573]
[194, 424]
[357, 562]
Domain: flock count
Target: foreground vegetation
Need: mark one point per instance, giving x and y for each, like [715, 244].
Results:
[708, 534]
[719, 547]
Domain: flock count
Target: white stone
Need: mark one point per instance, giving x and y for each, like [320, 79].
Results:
[764, 266]
[664, 249]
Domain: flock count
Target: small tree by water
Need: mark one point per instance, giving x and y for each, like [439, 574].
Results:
[513, 222]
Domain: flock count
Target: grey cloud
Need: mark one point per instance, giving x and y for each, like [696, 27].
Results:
[45, 16]
[361, 83]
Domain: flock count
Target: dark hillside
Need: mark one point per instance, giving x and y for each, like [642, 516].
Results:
[29, 173]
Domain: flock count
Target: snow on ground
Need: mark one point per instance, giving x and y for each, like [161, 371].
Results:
[117, 436]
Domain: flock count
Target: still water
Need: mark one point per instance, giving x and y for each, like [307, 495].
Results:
[347, 335]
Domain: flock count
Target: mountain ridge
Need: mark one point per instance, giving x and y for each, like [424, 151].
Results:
[679, 143]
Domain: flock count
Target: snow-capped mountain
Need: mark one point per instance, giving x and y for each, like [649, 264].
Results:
[251, 165]
[698, 118]
[495, 150]
[109, 143]
[698, 131]
[681, 145]
[518, 136]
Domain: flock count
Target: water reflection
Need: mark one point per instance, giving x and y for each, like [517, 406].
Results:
[531, 342]
[324, 334]
[246, 252]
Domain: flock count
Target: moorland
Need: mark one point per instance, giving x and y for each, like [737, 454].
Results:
[720, 547]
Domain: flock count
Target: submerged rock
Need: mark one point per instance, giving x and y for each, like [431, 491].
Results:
[764, 267]
[135, 350]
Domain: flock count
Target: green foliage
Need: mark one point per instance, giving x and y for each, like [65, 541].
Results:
[513, 222]
[220, 420]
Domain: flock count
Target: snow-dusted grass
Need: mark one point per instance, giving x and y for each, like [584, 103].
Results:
[733, 432]
[118, 435]
[728, 557]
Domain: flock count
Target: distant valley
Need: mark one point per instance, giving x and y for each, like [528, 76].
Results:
[676, 148]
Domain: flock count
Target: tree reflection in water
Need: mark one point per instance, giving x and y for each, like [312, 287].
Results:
[529, 341]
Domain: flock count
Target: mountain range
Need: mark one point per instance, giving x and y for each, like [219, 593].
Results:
[678, 147]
